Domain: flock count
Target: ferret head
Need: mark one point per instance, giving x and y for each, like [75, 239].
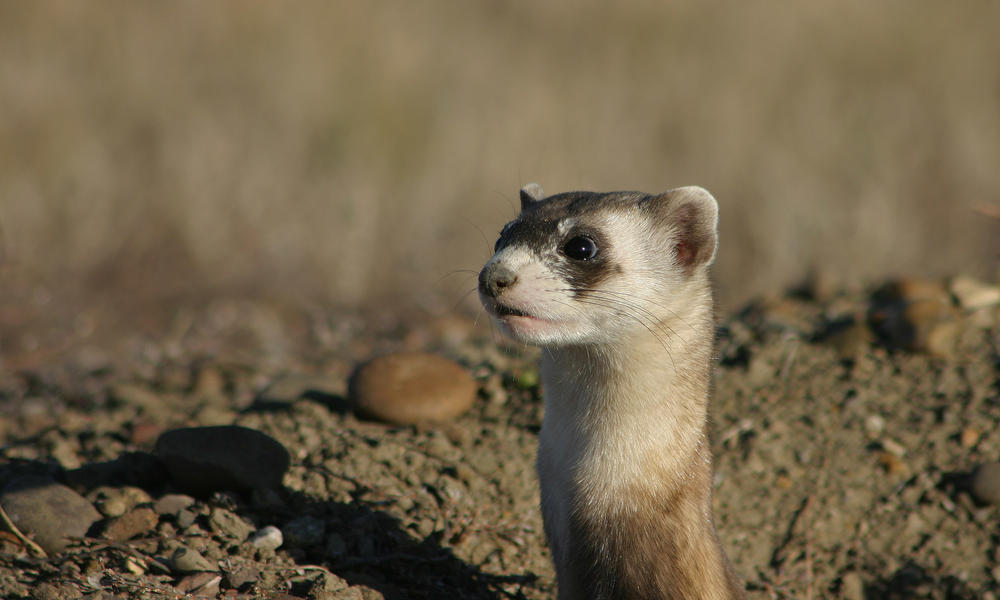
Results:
[585, 267]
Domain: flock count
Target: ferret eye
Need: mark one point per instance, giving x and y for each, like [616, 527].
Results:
[580, 247]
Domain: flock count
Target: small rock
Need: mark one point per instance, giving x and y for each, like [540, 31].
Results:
[209, 381]
[48, 591]
[131, 524]
[821, 285]
[135, 566]
[188, 560]
[48, 511]
[760, 371]
[328, 583]
[893, 447]
[116, 501]
[850, 340]
[985, 483]
[171, 504]
[200, 584]
[303, 531]
[908, 289]
[267, 538]
[288, 389]
[920, 322]
[969, 437]
[852, 587]
[112, 507]
[186, 518]
[892, 464]
[406, 388]
[973, 294]
[874, 425]
[145, 432]
[202, 460]
[241, 573]
[133, 394]
[229, 524]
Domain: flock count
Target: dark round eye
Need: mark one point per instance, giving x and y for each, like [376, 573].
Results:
[580, 247]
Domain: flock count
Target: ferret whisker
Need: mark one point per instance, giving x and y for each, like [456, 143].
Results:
[618, 307]
[656, 304]
[621, 298]
[462, 298]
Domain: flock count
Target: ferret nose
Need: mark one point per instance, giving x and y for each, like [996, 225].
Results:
[494, 279]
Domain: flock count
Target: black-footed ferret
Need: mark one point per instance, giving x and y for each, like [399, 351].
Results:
[615, 289]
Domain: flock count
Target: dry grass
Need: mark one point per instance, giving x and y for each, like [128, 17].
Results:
[370, 150]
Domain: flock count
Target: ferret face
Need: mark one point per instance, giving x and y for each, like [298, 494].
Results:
[585, 267]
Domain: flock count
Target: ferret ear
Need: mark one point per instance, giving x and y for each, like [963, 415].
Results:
[530, 194]
[693, 214]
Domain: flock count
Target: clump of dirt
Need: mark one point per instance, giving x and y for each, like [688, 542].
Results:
[843, 452]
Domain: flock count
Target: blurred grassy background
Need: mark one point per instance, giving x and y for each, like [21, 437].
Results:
[369, 151]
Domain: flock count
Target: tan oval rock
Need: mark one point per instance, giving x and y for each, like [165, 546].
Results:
[973, 294]
[412, 387]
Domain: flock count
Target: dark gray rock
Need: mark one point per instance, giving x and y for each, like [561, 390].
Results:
[304, 531]
[985, 483]
[203, 460]
[49, 512]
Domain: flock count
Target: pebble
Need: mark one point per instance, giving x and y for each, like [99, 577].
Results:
[131, 524]
[186, 518]
[171, 504]
[852, 587]
[209, 381]
[892, 464]
[240, 574]
[188, 560]
[893, 447]
[202, 460]
[985, 483]
[850, 341]
[973, 294]
[229, 524]
[969, 437]
[411, 387]
[204, 585]
[287, 389]
[912, 288]
[267, 538]
[47, 511]
[134, 394]
[874, 425]
[915, 315]
[116, 501]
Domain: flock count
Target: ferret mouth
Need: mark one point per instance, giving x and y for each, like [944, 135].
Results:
[502, 310]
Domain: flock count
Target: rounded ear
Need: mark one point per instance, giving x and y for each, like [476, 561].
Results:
[693, 214]
[530, 194]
